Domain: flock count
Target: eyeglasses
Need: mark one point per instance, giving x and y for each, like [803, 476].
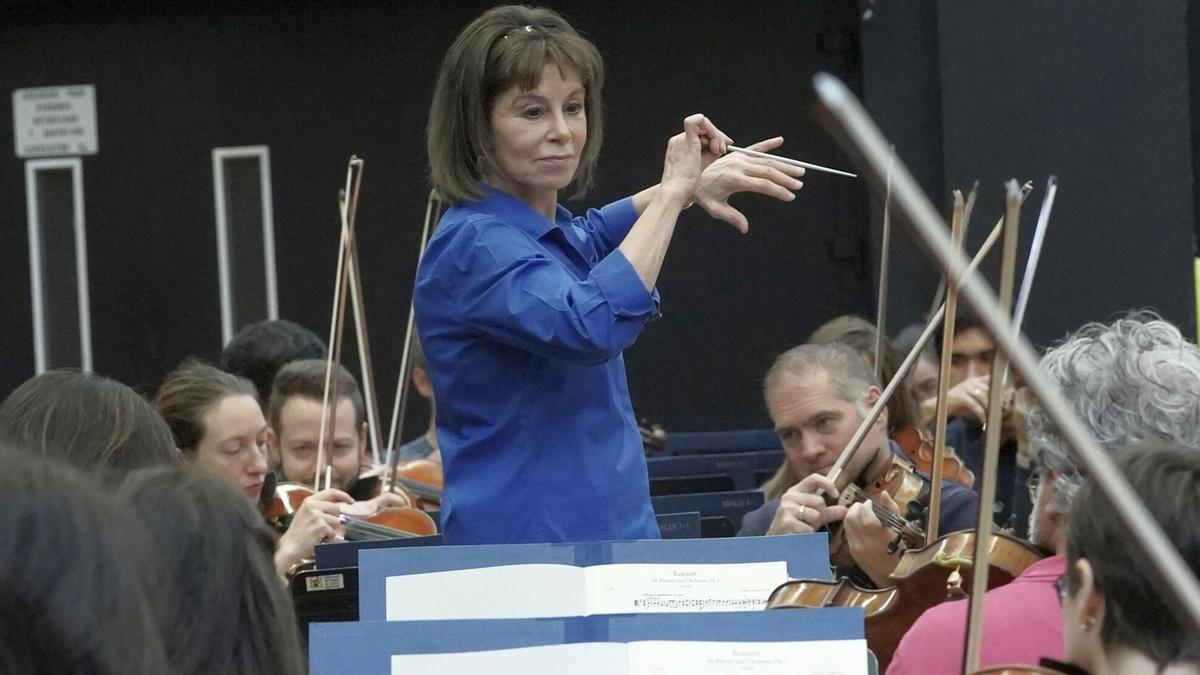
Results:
[1060, 588]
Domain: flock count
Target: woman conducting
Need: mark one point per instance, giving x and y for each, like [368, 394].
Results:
[523, 309]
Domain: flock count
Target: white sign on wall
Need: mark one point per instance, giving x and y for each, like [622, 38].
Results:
[55, 121]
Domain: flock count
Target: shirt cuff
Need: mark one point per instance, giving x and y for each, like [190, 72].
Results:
[618, 218]
[623, 289]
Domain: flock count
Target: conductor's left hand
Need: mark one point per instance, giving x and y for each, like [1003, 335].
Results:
[689, 154]
[736, 172]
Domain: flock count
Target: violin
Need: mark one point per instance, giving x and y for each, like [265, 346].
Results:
[384, 523]
[905, 487]
[421, 480]
[924, 577]
[918, 447]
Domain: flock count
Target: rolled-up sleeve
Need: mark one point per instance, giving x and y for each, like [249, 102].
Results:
[608, 225]
[511, 290]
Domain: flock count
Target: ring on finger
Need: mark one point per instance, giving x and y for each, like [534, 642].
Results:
[803, 509]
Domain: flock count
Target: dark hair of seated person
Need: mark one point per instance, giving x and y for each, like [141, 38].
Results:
[230, 612]
[76, 587]
[1167, 478]
[259, 350]
[91, 422]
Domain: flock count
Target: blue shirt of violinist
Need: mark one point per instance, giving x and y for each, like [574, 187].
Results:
[523, 322]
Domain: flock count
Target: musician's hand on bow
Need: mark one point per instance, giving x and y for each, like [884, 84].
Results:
[802, 509]
[317, 520]
[869, 540]
[737, 172]
[382, 501]
[1013, 422]
[969, 398]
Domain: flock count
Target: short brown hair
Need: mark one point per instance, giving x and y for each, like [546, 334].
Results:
[505, 46]
[306, 378]
[91, 422]
[1136, 617]
[191, 390]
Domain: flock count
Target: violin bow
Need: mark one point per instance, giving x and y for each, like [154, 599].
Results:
[1035, 252]
[991, 442]
[433, 211]
[910, 360]
[958, 230]
[370, 401]
[348, 208]
[940, 294]
[1162, 564]
[884, 252]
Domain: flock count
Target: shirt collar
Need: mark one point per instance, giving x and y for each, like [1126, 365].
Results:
[1051, 567]
[518, 213]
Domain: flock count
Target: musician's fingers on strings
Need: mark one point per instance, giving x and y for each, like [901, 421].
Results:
[832, 514]
[816, 484]
[886, 501]
[332, 495]
[861, 517]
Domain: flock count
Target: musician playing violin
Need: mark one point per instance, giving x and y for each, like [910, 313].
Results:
[971, 355]
[817, 396]
[1129, 380]
[294, 414]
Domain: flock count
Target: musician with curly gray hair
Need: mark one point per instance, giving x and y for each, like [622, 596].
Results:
[1134, 379]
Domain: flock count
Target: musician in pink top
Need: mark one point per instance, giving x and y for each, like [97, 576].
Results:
[1128, 380]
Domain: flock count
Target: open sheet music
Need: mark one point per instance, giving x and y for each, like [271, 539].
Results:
[652, 657]
[549, 590]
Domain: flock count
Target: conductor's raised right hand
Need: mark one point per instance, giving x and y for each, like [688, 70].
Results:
[737, 172]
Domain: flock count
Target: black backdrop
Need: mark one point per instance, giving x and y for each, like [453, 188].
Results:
[317, 81]
[1097, 93]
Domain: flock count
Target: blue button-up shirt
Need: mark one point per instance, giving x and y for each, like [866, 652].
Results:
[523, 322]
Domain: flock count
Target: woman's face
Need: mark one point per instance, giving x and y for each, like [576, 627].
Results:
[234, 443]
[538, 136]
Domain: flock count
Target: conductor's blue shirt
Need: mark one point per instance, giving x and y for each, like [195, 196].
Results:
[523, 322]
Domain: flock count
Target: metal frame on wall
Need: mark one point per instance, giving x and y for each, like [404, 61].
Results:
[220, 204]
[37, 278]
